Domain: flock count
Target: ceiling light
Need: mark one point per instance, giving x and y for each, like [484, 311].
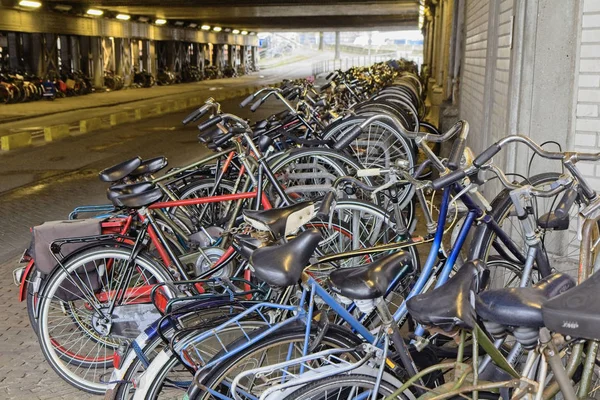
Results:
[217, 29]
[192, 25]
[252, 33]
[123, 17]
[63, 7]
[179, 23]
[31, 4]
[160, 21]
[93, 11]
[235, 31]
[205, 27]
[143, 19]
[244, 32]
[227, 29]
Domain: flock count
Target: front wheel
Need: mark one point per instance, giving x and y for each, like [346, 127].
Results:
[275, 348]
[351, 386]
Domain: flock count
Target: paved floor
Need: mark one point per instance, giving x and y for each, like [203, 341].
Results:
[47, 182]
[32, 116]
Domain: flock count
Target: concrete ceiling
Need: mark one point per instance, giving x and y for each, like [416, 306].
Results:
[265, 15]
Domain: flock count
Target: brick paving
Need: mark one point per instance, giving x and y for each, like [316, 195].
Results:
[58, 177]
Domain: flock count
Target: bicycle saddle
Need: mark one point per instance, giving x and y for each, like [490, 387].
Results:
[127, 188]
[245, 245]
[150, 166]
[139, 200]
[368, 281]
[522, 306]
[449, 305]
[281, 221]
[575, 312]
[282, 265]
[120, 171]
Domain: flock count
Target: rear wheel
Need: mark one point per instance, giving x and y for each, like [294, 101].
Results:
[78, 333]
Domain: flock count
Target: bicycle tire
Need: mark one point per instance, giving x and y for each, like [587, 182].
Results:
[335, 337]
[501, 207]
[63, 359]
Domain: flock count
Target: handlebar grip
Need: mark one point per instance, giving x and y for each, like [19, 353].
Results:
[237, 130]
[205, 137]
[449, 179]
[456, 153]
[348, 138]
[293, 95]
[282, 114]
[286, 90]
[327, 204]
[325, 86]
[222, 139]
[246, 101]
[330, 75]
[195, 115]
[210, 123]
[565, 203]
[255, 105]
[486, 155]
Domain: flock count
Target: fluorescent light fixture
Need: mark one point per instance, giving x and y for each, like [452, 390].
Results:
[123, 17]
[143, 19]
[217, 29]
[227, 29]
[179, 23]
[63, 7]
[244, 32]
[252, 33]
[160, 21]
[192, 25]
[31, 4]
[93, 11]
[205, 27]
[235, 31]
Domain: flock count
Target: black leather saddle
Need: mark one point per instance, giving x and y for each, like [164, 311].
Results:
[282, 265]
[281, 221]
[127, 188]
[120, 171]
[449, 306]
[577, 311]
[521, 307]
[245, 245]
[138, 200]
[369, 281]
[150, 166]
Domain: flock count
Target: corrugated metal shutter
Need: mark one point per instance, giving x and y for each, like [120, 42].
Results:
[472, 92]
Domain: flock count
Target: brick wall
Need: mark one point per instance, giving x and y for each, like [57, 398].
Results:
[587, 119]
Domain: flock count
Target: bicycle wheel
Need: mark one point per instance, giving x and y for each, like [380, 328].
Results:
[307, 174]
[78, 332]
[169, 379]
[379, 146]
[561, 246]
[357, 224]
[283, 345]
[205, 215]
[347, 386]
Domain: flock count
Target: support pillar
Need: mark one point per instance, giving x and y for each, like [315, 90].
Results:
[14, 49]
[97, 61]
[75, 52]
[255, 58]
[337, 45]
[35, 54]
[321, 41]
